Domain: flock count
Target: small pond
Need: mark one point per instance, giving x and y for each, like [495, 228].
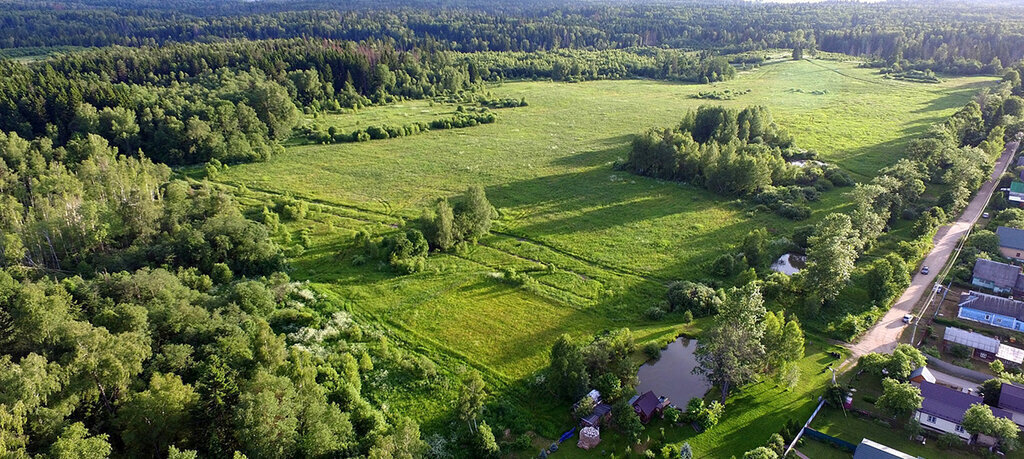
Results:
[672, 374]
[790, 263]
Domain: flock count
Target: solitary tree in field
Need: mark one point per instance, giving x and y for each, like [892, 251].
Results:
[473, 213]
[471, 398]
[439, 226]
[831, 253]
[731, 352]
[567, 375]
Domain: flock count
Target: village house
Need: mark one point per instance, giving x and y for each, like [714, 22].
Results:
[1016, 194]
[1011, 242]
[983, 347]
[942, 410]
[602, 411]
[992, 310]
[647, 405]
[1001, 278]
[1011, 399]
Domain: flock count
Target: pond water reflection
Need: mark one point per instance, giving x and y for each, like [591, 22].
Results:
[672, 374]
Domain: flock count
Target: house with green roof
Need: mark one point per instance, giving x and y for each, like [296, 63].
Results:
[1016, 195]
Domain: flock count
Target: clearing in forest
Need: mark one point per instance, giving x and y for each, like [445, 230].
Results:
[601, 243]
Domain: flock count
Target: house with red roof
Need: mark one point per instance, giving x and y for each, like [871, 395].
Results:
[647, 405]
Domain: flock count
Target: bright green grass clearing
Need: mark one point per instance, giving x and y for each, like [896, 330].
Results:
[410, 111]
[547, 166]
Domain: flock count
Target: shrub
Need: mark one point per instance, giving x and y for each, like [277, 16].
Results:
[672, 415]
[687, 316]
[521, 443]
[653, 350]
[947, 440]
[655, 313]
[698, 299]
[724, 266]
[960, 351]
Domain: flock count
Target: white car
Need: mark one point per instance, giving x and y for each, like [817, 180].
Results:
[984, 215]
[908, 318]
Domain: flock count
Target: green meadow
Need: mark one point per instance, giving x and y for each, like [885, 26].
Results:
[601, 243]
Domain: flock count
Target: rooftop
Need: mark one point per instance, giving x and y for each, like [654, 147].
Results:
[971, 339]
[599, 412]
[1010, 354]
[868, 449]
[1017, 187]
[1004, 276]
[1010, 237]
[994, 304]
[943, 402]
[923, 372]
[647, 403]
[1011, 398]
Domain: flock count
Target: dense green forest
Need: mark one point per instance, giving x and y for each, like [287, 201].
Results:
[946, 36]
[148, 311]
[235, 101]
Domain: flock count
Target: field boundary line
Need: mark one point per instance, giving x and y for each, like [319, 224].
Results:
[601, 265]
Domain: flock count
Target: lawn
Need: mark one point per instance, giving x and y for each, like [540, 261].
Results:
[817, 450]
[601, 243]
[853, 429]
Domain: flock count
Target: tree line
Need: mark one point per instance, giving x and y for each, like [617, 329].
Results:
[235, 102]
[952, 38]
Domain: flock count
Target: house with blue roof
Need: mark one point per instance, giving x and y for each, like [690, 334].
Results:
[992, 310]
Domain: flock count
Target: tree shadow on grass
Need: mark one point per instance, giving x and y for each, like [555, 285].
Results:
[954, 98]
[611, 149]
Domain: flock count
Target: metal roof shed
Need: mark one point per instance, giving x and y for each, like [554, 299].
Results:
[971, 339]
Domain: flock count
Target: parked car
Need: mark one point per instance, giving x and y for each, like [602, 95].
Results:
[908, 318]
[924, 270]
[984, 215]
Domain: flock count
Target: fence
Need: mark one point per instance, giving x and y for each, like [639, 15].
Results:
[842, 444]
[958, 371]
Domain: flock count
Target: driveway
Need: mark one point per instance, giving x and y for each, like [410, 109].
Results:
[885, 334]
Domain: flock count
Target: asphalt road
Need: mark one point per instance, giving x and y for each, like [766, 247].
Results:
[884, 336]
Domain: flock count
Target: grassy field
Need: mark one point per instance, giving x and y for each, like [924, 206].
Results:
[410, 111]
[601, 243]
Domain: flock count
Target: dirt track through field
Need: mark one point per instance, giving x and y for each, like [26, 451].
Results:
[884, 336]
